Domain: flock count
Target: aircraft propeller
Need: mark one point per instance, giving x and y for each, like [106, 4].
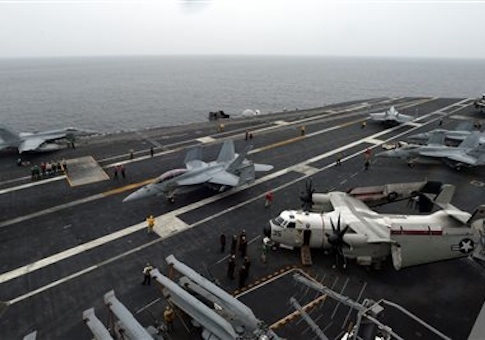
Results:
[336, 239]
[422, 202]
[306, 196]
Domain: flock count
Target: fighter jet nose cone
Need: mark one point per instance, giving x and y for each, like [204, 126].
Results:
[267, 231]
[131, 197]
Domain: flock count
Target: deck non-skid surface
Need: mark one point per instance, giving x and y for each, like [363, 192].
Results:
[62, 248]
[85, 170]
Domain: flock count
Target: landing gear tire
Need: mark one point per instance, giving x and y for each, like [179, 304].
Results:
[392, 196]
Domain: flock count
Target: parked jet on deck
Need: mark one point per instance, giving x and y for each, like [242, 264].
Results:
[462, 131]
[227, 171]
[42, 141]
[468, 153]
[480, 103]
[390, 117]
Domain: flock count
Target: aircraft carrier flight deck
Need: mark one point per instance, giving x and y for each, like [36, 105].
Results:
[65, 241]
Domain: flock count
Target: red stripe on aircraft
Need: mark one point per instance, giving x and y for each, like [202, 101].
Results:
[416, 232]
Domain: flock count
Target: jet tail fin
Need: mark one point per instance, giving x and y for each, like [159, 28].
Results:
[471, 141]
[240, 158]
[437, 137]
[193, 154]
[227, 152]
[8, 136]
[193, 158]
[481, 155]
[464, 126]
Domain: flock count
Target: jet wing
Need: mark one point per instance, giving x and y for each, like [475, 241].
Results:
[404, 118]
[463, 158]
[45, 136]
[437, 153]
[220, 177]
[196, 179]
[378, 116]
[262, 167]
[225, 178]
[360, 218]
[30, 144]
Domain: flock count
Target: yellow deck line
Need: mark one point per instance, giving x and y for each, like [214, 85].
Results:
[127, 187]
[296, 313]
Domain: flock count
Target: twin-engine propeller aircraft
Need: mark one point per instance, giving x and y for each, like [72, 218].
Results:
[228, 170]
[346, 225]
[41, 141]
[390, 117]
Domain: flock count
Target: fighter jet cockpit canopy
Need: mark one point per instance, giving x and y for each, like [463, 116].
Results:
[169, 175]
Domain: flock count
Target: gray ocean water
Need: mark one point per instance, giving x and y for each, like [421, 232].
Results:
[123, 93]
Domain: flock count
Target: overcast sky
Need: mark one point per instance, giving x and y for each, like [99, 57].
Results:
[395, 28]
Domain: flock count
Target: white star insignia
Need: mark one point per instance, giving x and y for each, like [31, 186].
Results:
[466, 245]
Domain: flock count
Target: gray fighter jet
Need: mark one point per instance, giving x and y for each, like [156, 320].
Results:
[42, 141]
[468, 153]
[459, 134]
[480, 103]
[227, 171]
[390, 117]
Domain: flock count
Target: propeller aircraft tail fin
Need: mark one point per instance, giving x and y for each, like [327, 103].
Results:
[445, 195]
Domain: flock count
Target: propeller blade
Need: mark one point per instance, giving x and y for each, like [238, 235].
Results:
[333, 227]
[346, 244]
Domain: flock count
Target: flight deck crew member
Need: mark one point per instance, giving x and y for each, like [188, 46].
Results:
[268, 198]
[231, 265]
[243, 246]
[146, 274]
[242, 276]
[302, 130]
[150, 224]
[222, 241]
[64, 165]
[241, 236]
[168, 317]
[339, 159]
[233, 244]
[247, 264]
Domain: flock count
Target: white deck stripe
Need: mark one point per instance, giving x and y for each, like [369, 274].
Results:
[171, 231]
[51, 210]
[206, 140]
[33, 184]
